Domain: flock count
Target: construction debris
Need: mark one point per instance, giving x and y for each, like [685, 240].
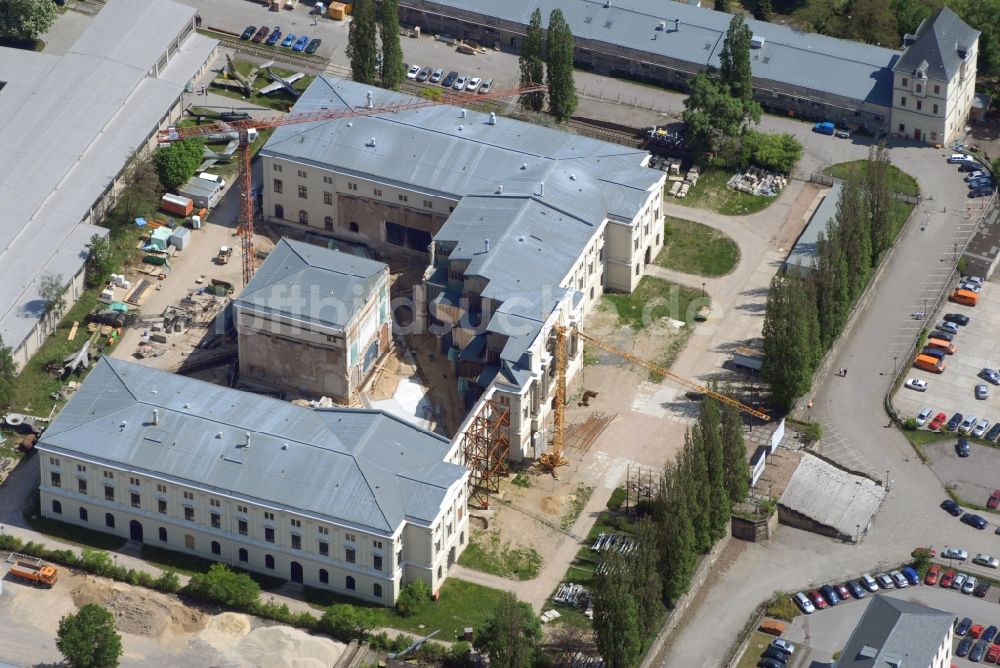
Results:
[756, 181]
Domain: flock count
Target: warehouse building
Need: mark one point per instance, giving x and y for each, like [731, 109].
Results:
[69, 126]
[354, 501]
[313, 321]
[855, 85]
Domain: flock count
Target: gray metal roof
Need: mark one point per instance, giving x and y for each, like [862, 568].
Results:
[311, 284]
[894, 633]
[804, 253]
[831, 496]
[434, 149]
[938, 40]
[363, 468]
[841, 67]
[67, 127]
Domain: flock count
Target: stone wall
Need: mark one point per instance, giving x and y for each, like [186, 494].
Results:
[754, 531]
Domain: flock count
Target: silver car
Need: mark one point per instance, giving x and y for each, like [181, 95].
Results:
[460, 83]
[959, 581]
[970, 585]
[884, 581]
[981, 428]
[437, 75]
[899, 579]
[485, 86]
[982, 392]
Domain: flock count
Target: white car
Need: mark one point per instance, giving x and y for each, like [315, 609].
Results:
[956, 553]
[783, 645]
[960, 157]
[460, 83]
[485, 86]
[869, 582]
[981, 428]
[973, 279]
[916, 384]
[473, 84]
[804, 603]
[986, 560]
[971, 287]
[413, 72]
[923, 416]
[970, 584]
[899, 579]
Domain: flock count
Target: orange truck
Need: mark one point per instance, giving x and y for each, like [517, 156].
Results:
[32, 570]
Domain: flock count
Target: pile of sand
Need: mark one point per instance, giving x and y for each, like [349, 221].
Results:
[232, 636]
[138, 611]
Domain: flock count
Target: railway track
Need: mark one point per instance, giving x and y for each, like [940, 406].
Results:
[307, 64]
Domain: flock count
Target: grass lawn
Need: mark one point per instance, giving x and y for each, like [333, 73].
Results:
[487, 553]
[711, 193]
[758, 643]
[70, 533]
[696, 249]
[279, 100]
[899, 181]
[922, 437]
[653, 299]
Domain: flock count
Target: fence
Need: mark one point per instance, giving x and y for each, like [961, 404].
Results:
[827, 180]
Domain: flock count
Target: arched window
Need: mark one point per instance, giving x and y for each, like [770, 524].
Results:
[83, 513]
[56, 507]
[303, 217]
[328, 223]
[377, 590]
[244, 557]
[324, 577]
[216, 548]
[354, 227]
[109, 520]
[163, 534]
[349, 583]
[268, 561]
[279, 211]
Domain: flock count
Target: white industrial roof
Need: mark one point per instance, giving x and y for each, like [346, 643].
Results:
[68, 126]
[831, 496]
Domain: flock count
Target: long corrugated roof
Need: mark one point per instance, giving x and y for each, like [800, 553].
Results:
[806, 249]
[363, 468]
[840, 67]
[67, 127]
[311, 284]
[938, 40]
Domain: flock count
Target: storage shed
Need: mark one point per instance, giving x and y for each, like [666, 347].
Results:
[204, 193]
[160, 238]
[180, 237]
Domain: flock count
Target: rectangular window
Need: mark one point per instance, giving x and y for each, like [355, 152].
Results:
[378, 192]
[437, 546]
[54, 461]
[935, 108]
[377, 544]
[303, 192]
[161, 506]
[241, 509]
[296, 541]
[902, 127]
[902, 101]
[243, 527]
[327, 197]
[377, 562]
[109, 493]
[56, 479]
[428, 204]
[189, 496]
[920, 105]
[109, 475]
[136, 500]
[404, 198]
[268, 516]
[81, 486]
[349, 555]
[269, 534]
[323, 530]
[327, 179]
[349, 537]
[937, 89]
[81, 468]
[279, 186]
[134, 482]
[189, 513]
[214, 502]
[399, 558]
[189, 541]
[302, 173]
[216, 521]
[276, 167]
[324, 548]
[161, 488]
[295, 522]
[906, 82]
[352, 186]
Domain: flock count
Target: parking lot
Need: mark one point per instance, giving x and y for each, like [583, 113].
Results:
[972, 478]
[826, 632]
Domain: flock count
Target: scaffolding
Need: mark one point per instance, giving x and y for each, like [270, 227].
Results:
[487, 446]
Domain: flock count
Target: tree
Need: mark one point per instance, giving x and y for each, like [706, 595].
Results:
[710, 112]
[646, 585]
[693, 471]
[879, 198]
[392, 53]
[24, 20]
[773, 152]
[413, 598]
[788, 340]
[222, 585]
[100, 261]
[88, 639]
[361, 42]
[831, 287]
[8, 375]
[984, 16]
[532, 63]
[617, 627]
[874, 22]
[559, 67]
[710, 427]
[854, 230]
[734, 61]
[52, 291]
[722, 5]
[347, 622]
[736, 466]
[763, 10]
[909, 14]
[678, 549]
[178, 161]
[510, 635]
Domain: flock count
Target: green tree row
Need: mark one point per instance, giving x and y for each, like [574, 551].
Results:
[373, 31]
[804, 315]
[552, 49]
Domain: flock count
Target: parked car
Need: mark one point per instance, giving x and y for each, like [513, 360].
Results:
[783, 645]
[993, 655]
[450, 79]
[975, 175]
[842, 134]
[994, 499]
[962, 447]
[771, 663]
[934, 352]
[916, 384]
[984, 191]
[969, 585]
[958, 318]
[959, 157]
[987, 560]
[943, 336]
[314, 46]
[413, 72]
[933, 574]
[273, 37]
[938, 420]
[978, 651]
[981, 589]
[963, 627]
[827, 128]
[473, 84]
[804, 603]
[910, 574]
[991, 631]
[899, 579]
[842, 591]
[982, 182]
[971, 287]
[963, 648]
[830, 594]
[959, 582]
[818, 600]
[289, 40]
[949, 327]
[948, 579]
[261, 35]
[869, 582]
[486, 86]
[969, 165]
[884, 581]
[955, 510]
[301, 43]
[976, 631]
[980, 429]
[857, 591]
[923, 416]
[955, 420]
[460, 83]
[967, 424]
[974, 520]
[424, 74]
[955, 553]
[990, 376]
[436, 75]
[776, 654]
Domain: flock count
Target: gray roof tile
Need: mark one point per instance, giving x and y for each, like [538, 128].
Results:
[935, 50]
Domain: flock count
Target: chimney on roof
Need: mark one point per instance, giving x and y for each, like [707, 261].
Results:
[541, 189]
[662, 26]
[572, 177]
[487, 245]
[371, 143]
[493, 118]
[464, 112]
[607, 3]
[246, 442]
[371, 103]
[156, 416]
[908, 39]
[500, 189]
[677, 25]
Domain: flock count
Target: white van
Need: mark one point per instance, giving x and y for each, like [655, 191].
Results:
[214, 178]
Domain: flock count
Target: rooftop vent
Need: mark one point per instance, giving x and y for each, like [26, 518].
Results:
[246, 439]
[461, 127]
[156, 416]
[284, 446]
[572, 177]
[662, 25]
[541, 189]
[524, 166]
[909, 39]
[371, 102]
[464, 113]
[370, 143]
[500, 189]
[589, 19]
[756, 42]
[607, 3]
[349, 124]
[493, 118]
[487, 245]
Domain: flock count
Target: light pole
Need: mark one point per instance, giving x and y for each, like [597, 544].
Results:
[703, 289]
[887, 480]
[894, 365]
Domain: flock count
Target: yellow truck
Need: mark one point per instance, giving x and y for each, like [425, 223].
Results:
[32, 570]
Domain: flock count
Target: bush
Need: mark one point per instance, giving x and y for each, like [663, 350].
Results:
[413, 598]
[782, 606]
[776, 153]
[460, 656]
[617, 499]
[168, 582]
[910, 424]
[432, 652]
[221, 585]
[178, 161]
[346, 623]
[811, 433]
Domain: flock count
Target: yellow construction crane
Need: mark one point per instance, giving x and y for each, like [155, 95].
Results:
[554, 458]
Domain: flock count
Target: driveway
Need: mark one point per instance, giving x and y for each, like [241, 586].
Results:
[973, 478]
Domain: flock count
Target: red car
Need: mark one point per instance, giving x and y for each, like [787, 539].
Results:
[994, 499]
[842, 591]
[261, 34]
[818, 600]
[977, 631]
[933, 573]
[993, 655]
[947, 579]
[938, 420]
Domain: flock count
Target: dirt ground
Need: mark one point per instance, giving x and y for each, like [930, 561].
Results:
[156, 629]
